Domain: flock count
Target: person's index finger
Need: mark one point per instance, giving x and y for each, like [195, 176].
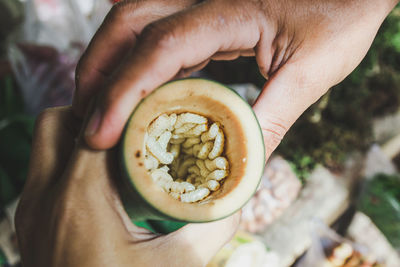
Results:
[113, 41]
[163, 49]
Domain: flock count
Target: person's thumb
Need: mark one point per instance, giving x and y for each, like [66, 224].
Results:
[283, 99]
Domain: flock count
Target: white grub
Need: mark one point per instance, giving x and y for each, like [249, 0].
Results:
[205, 150]
[184, 156]
[218, 163]
[183, 168]
[163, 140]
[196, 131]
[182, 187]
[194, 169]
[195, 195]
[175, 195]
[217, 175]
[150, 162]
[159, 175]
[191, 178]
[161, 124]
[218, 145]
[196, 150]
[203, 170]
[175, 150]
[158, 152]
[172, 120]
[210, 134]
[164, 169]
[213, 185]
[191, 141]
[177, 141]
[184, 128]
[189, 118]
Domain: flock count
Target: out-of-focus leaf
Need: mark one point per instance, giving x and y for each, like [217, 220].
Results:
[7, 189]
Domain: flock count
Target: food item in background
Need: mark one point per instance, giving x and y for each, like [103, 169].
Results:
[279, 187]
[192, 151]
[343, 255]
[245, 250]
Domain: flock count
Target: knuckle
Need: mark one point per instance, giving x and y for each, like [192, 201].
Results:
[273, 129]
[122, 11]
[161, 35]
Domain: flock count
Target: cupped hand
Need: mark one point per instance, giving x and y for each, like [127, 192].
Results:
[70, 214]
[303, 47]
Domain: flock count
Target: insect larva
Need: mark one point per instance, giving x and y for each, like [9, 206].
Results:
[191, 141]
[175, 195]
[217, 175]
[196, 131]
[211, 133]
[175, 150]
[218, 163]
[161, 176]
[213, 185]
[203, 170]
[183, 168]
[189, 118]
[195, 195]
[150, 162]
[161, 124]
[163, 140]
[205, 150]
[155, 148]
[184, 128]
[194, 169]
[218, 145]
[188, 152]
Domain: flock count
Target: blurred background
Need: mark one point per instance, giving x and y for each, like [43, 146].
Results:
[330, 195]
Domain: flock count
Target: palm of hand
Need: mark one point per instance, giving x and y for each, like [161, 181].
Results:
[71, 215]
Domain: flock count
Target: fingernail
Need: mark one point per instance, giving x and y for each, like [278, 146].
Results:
[94, 123]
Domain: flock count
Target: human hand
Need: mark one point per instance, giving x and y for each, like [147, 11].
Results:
[70, 213]
[303, 47]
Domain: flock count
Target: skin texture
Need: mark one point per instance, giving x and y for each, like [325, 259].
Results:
[304, 47]
[70, 215]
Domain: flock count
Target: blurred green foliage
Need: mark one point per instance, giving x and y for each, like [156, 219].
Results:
[15, 140]
[380, 200]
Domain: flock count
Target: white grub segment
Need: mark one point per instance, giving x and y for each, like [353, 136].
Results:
[163, 140]
[161, 124]
[212, 185]
[175, 150]
[203, 170]
[210, 134]
[184, 128]
[218, 163]
[217, 175]
[185, 118]
[195, 195]
[205, 150]
[196, 131]
[150, 162]
[183, 168]
[159, 153]
[185, 156]
[191, 141]
[218, 147]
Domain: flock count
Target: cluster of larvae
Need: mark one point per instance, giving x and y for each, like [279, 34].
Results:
[184, 155]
